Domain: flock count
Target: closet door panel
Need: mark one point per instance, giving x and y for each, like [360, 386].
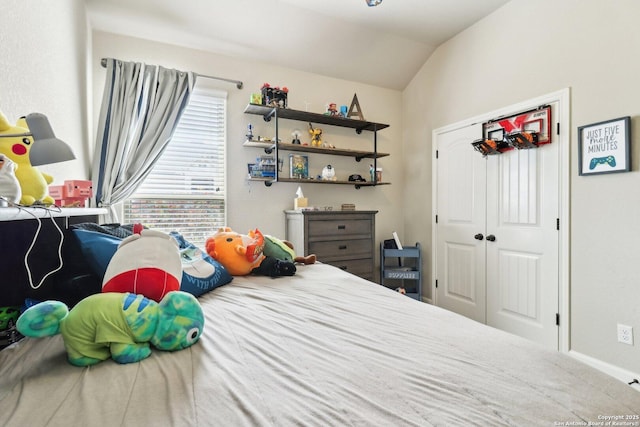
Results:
[522, 264]
[460, 259]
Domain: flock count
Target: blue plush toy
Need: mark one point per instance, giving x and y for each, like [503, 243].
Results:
[117, 325]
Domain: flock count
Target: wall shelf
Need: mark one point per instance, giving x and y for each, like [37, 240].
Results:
[269, 147]
[357, 185]
[277, 113]
[304, 116]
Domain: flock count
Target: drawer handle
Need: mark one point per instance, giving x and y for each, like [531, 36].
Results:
[342, 227]
[342, 247]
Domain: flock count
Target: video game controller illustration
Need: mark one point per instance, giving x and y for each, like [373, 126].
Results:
[610, 160]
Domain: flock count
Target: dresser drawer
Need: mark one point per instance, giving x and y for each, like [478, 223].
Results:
[341, 249]
[359, 267]
[339, 227]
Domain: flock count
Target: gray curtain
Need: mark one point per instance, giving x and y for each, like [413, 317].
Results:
[141, 107]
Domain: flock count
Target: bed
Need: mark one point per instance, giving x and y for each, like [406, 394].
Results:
[321, 348]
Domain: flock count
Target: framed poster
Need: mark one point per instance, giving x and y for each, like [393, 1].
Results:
[605, 147]
[298, 166]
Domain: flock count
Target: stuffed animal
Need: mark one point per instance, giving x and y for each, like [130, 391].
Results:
[117, 326]
[238, 253]
[9, 185]
[242, 254]
[15, 144]
[283, 250]
[147, 262]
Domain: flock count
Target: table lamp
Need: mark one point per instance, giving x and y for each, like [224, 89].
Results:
[46, 148]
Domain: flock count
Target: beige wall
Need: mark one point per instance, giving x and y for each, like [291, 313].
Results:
[524, 50]
[49, 67]
[44, 69]
[252, 204]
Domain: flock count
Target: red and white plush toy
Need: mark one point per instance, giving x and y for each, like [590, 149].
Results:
[147, 263]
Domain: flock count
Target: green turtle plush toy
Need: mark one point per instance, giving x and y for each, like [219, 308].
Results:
[117, 325]
[283, 250]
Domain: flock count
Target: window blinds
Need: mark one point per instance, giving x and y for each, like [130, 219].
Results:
[186, 189]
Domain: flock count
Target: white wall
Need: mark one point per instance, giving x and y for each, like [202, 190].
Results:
[524, 50]
[44, 69]
[254, 205]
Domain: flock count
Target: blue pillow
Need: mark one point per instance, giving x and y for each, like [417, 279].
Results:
[200, 272]
[98, 249]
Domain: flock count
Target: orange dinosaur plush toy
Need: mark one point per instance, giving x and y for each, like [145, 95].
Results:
[238, 253]
[242, 254]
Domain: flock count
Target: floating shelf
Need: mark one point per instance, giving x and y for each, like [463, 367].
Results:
[305, 116]
[357, 154]
[269, 181]
[270, 147]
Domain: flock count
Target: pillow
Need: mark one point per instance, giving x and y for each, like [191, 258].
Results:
[98, 249]
[119, 230]
[200, 272]
[146, 263]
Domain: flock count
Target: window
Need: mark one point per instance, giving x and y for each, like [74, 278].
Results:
[186, 189]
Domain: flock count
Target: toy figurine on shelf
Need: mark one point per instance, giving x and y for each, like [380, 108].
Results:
[316, 136]
[256, 98]
[332, 110]
[73, 194]
[274, 96]
[328, 173]
[295, 136]
[249, 132]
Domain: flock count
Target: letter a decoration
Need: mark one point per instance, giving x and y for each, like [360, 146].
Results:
[355, 109]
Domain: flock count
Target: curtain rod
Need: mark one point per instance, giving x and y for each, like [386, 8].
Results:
[238, 83]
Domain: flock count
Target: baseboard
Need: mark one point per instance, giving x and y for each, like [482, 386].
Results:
[609, 369]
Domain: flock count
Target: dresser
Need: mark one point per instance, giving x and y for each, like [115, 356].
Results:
[344, 239]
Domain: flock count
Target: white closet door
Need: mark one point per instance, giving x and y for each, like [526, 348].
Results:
[496, 254]
[461, 200]
[522, 262]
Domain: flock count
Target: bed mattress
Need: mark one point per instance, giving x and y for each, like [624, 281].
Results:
[321, 348]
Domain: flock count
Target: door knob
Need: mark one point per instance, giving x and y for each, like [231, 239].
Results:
[491, 238]
[478, 236]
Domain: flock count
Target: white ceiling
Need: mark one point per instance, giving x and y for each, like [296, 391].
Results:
[384, 45]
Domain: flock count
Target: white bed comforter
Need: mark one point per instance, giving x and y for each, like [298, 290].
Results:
[321, 348]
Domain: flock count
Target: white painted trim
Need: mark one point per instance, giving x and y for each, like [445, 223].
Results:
[564, 253]
[563, 98]
[612, 370]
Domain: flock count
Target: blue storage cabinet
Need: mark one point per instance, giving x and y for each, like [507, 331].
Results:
[401, 265]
